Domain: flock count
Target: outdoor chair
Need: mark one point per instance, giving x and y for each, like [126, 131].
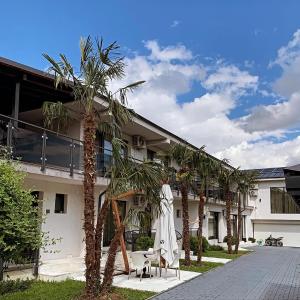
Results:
[139, 263]
[176, 264]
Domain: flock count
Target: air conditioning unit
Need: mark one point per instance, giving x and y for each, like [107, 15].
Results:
[253, 193]
[138, 142]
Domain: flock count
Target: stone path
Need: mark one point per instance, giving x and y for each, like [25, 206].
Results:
[267, 274]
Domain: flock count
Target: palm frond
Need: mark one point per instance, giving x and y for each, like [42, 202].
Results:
[56, 116]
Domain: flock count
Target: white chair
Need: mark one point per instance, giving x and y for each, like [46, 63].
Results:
[153, 259]
[176, 264]
[139, 262]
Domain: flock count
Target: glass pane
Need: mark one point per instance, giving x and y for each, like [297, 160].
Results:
[78, 156]
[3, 132]
[58, 151]
[27, 145]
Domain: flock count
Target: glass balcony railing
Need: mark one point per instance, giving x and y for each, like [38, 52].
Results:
[36, 145]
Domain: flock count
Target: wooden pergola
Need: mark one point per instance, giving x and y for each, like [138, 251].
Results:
[118, 223]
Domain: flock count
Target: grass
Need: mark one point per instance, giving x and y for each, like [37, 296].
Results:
[224, 254]
[206, 266]
[67, 290]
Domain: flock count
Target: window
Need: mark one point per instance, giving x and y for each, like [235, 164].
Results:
[178, 213]
[150, 154]
[60, 204]
[282, 202]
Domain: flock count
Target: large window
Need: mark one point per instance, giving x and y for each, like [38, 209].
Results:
[282, 202]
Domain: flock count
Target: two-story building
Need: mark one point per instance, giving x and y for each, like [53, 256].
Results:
[53, 162]
[276, 200]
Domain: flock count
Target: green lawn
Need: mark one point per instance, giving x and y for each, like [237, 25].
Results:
[224, 254]
[206, 266]
[67, 290]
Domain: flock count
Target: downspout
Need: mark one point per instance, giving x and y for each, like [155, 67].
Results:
[100, 199]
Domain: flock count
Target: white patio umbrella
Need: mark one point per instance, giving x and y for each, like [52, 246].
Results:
[165, 243]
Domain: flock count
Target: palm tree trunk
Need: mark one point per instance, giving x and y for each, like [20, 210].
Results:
[98, 237]
[200, 229]
[89, 210]
[110, 263]
[228, 220]
[185, 223]
[239, 223]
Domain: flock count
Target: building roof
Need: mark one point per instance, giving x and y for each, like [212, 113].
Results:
[293, 168]
[269, 173]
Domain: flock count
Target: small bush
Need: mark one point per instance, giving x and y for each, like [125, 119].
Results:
[252, 240]
[233, 239]
[144, 243]
[12, 286]
[244, 240]
[216, 248]
[194, 244]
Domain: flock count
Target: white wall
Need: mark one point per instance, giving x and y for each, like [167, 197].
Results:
[262, 209]
[266, 223]
[67, 226]
[289, 232]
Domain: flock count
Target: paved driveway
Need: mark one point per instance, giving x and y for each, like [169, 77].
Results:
[268, 273]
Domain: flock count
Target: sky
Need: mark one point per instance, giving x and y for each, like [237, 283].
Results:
[224, 74]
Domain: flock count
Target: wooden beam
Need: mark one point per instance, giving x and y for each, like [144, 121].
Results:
[116, 213]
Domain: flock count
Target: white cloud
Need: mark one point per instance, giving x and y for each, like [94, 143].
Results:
[175, 23]
[275, 116]
[288, 58]
[204, 120]
[168, 53]
[263, 154]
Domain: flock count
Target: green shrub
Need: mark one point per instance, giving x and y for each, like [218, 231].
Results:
[12, 286]
[216, 248]
[144, 242]
[252, 240]
[194, 244]
[233, 239]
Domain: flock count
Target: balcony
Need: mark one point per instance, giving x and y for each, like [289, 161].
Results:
[35, 145]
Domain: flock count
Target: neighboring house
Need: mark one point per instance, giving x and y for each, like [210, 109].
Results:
[53, 163]
[277, 204]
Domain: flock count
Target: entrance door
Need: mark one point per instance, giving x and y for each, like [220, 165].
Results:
[109, 228]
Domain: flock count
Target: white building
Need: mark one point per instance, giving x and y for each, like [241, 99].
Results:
[277, 212]
[53, 163]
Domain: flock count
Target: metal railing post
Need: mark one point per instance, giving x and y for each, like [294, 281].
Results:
[72, 146]
[9, 145]
[43, 158]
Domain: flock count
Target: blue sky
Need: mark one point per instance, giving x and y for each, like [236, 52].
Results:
[214, 39]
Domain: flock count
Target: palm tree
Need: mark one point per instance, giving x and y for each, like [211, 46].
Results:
[129, 175]
[205, 168]
[227, 177]
[97, 67]
[183, 156]
[245, 182]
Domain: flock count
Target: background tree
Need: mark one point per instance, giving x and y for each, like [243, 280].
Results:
[19, 221]
[227, 178]
[205, 168]
[245, 182]
[183, 156]
[97, 67]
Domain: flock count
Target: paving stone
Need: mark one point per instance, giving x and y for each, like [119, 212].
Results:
[266, 274]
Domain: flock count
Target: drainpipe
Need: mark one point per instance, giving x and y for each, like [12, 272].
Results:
[100, 199]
